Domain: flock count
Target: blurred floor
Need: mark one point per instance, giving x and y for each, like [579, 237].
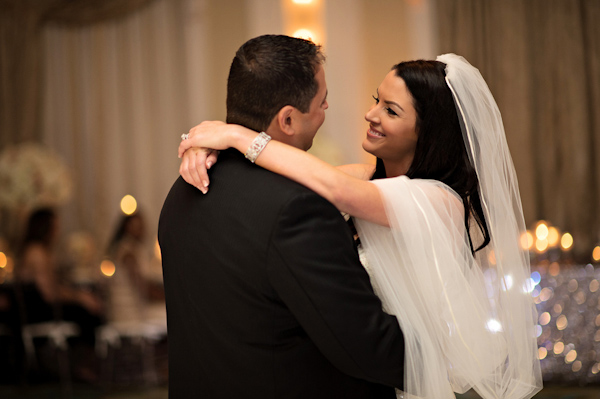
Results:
[81, 391]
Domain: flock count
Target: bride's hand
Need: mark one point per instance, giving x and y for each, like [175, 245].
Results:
[194, 167]
[216, 135]
[199, 151]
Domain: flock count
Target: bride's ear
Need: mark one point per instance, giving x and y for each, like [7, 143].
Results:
[285, 120]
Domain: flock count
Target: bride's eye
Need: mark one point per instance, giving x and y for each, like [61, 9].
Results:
[390, 111]
[376, 99]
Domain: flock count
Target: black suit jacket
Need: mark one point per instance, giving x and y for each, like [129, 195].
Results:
[266, 297]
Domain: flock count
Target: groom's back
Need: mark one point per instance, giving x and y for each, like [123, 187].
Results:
[231, 334]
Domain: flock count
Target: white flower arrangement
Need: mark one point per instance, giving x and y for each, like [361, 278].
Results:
[32, 176]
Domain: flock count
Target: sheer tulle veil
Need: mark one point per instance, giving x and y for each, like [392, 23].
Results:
[468, 321]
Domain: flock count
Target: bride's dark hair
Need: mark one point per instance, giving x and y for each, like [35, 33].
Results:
[440, 153]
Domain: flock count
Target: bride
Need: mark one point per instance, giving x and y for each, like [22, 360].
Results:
[439, 219]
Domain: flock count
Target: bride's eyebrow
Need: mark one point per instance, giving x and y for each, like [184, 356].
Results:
[390, 102]
[394, 103]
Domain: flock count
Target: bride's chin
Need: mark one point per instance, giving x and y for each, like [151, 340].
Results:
[368, 147]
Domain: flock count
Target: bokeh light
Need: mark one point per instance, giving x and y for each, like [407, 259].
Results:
[553, 236]
[541, 231]
[561, 322]
[3, 260]
[559, 347]
[107, 268]
[542, 353]
[494, 325]
[545, 318]
[527, 240]
[571, 356]
[596, 254]
[541, 245]
[128, 204]
[566, 241]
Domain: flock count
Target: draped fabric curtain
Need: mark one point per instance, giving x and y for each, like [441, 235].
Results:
[21, 62]
[541, 59]
[110, 86]
[116, 99]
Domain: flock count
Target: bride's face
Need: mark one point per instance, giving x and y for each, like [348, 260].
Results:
[392, 119]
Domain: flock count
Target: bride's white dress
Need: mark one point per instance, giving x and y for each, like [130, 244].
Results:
[452, 307]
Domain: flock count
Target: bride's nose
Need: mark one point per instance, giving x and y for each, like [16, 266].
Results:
[371, 115]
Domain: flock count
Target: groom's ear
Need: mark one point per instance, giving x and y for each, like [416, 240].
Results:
[285, 120]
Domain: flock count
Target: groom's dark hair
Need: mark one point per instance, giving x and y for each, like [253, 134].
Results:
[268, 73]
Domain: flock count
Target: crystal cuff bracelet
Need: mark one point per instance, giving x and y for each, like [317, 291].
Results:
[258, 144]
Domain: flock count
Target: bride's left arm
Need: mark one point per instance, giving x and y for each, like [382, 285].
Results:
[349, 194]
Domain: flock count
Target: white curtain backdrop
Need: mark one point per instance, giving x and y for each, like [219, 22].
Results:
[117, 97]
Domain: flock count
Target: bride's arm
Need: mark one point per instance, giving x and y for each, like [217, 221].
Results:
[349, 194]
[360, 171]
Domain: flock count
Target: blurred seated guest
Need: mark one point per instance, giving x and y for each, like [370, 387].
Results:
[44, 296]
[130, 289]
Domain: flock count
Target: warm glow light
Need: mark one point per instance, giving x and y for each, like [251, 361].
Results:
[545, 318]
[571, 356]
[566, 242]
[554, 269]
[596, 368]
[304, 34]
[559, 347]
[107, 268]
[541, 231]
[157, 250]
[596, 254]
[546, 294]
[128, 204]
[527, 240]
[302, 1]
[541, 245]
[492, 257]
[542, 353]
[561, 322]
[557, 308]
[594, 285]
[3, 260]
[553, 236]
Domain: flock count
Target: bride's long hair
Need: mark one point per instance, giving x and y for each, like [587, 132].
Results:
[440, 153]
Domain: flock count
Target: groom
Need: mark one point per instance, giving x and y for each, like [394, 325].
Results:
[266, 297]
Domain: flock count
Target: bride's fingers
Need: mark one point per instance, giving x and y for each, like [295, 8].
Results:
[212, 158]
[183, 168]
[198, 169]
[184, 146]
[187, 171]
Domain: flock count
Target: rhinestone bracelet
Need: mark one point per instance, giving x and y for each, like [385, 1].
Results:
[258, 144]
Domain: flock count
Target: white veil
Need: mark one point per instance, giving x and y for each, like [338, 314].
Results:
[468, 321]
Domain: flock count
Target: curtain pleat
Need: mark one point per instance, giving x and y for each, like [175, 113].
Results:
[116, 103]
[541, 61]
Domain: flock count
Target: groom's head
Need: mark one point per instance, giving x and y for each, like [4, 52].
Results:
[276, 84]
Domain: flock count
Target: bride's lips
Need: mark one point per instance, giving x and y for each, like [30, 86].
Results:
[374, 133]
